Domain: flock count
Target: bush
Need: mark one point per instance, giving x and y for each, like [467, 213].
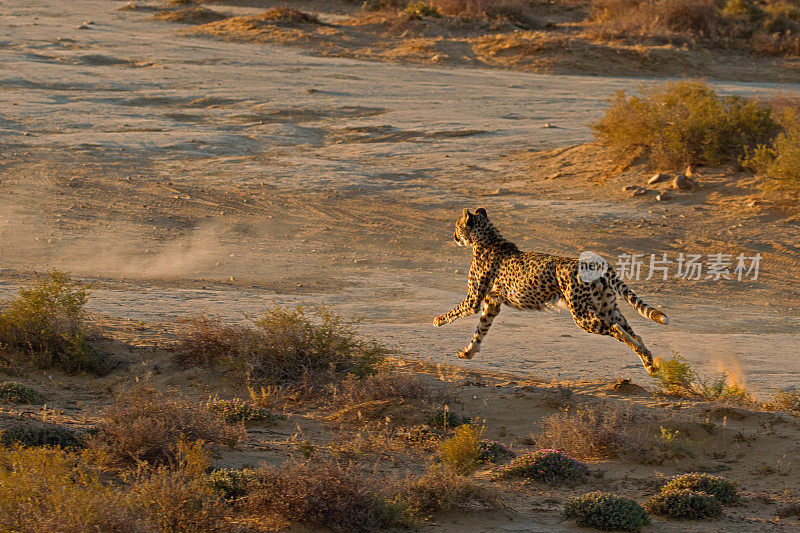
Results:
[723, 490]
[446, 419]
[785, 401]
[419, 10]
[45, 322]
[181, 498]
[190, 15]
[677, 123]
[287, 15]
[662, 20]
[322, 493]
[14, 392]
[44, 490]
[36, 435]
[608, 512]
[545, 466]
[493, 452]
[677, 377]
[238, 410]
[284, 347]
[780, 159]
[385, 385]
[232, 483]
[144, 426]
[590, 432]
[440, 490]
[516, 11]
[684, 503]
[462, 451]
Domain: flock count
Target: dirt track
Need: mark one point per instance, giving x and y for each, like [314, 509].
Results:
[184, 175]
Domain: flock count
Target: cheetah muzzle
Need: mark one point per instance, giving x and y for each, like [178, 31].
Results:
[501, 274]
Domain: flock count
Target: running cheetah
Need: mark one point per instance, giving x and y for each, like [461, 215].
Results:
[501, 274]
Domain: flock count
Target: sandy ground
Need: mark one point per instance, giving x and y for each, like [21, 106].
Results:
[182, 175]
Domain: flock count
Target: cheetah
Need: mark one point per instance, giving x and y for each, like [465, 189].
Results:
[501, 274]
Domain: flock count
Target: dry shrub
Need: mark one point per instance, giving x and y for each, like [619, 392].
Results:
[46, 323]
[677, 123]
[287, 15]
[462, 451]
[283, 347]
[440, 490]
[780, 159]
[788, 401]
[385, 385]
[516, 11]
[181, 498]
[144, 426]
[663, 20]
[39, 434]
[44, 490]
[591, 432]
[190, 15]
[321, 493]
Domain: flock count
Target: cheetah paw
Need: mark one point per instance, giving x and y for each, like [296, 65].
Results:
[440, 321]
[465, 354]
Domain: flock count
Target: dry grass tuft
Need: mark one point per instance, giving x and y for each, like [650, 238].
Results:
[591, 432]
[441, 490]
[662, 20]
[287, 15]
[145, 426]
[190, 15]
[322, 493]
[284, 347]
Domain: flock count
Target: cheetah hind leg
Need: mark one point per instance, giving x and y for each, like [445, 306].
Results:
[634, 342]
[490, 310]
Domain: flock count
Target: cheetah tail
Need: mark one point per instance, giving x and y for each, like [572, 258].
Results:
[643, 309]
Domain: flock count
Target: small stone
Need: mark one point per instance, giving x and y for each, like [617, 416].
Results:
[501, 190]
[548, 125]
[683, 183]
[661, 197]
[658, 178]
[83, 27]
[689, 173]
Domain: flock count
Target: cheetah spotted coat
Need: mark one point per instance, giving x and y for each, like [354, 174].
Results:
[501, 274]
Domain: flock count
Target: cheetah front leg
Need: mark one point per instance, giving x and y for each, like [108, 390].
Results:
[478, 286]
[491, 309]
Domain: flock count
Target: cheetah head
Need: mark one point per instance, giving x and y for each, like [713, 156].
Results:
[470, 227]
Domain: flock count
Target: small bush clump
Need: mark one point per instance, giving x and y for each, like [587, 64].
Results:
[238, 410]
[190, 15]
[231, 483]
[607, 512]
[420, 10]
[679, 123]
[144, 426]
[590, 432]
[37, 435]
[446, 419]
[440, 490]
[46, 489]
[780, 159]
[322, 493]
[490, 451]
[723, 490]
[545, 466]
[15, 392]
[46, 323]
[287, 15]
[684, 503]
[284, 347]
[785, 401]
[462, 451]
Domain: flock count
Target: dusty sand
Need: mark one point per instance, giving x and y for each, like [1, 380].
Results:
[181, 175]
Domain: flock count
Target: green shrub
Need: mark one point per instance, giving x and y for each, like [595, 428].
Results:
[284, 347]
[684, 503]
[45, 322]
[780, 159]
[608, 512]
[232, 483]
[677, 377]
[723, 490]
[144, 426]
[446, 419]
[545, 466]
[14, 392]
[419, 10]
[784, 401]
[238, 410]
[462, 451]
[493, 452]
[677, 123]
[34, 435]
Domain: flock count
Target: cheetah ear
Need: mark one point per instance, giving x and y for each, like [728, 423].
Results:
[481, 211]
[465, 213]
[469, 217]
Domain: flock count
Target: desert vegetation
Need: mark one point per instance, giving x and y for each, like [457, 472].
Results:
[607, 512]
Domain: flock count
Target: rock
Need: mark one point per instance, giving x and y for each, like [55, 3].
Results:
[658, 178]
[663, 196]
[83, 27]
[683, 183]
[548, 125]
[689, 173]
[635, 190]
[501, 190]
